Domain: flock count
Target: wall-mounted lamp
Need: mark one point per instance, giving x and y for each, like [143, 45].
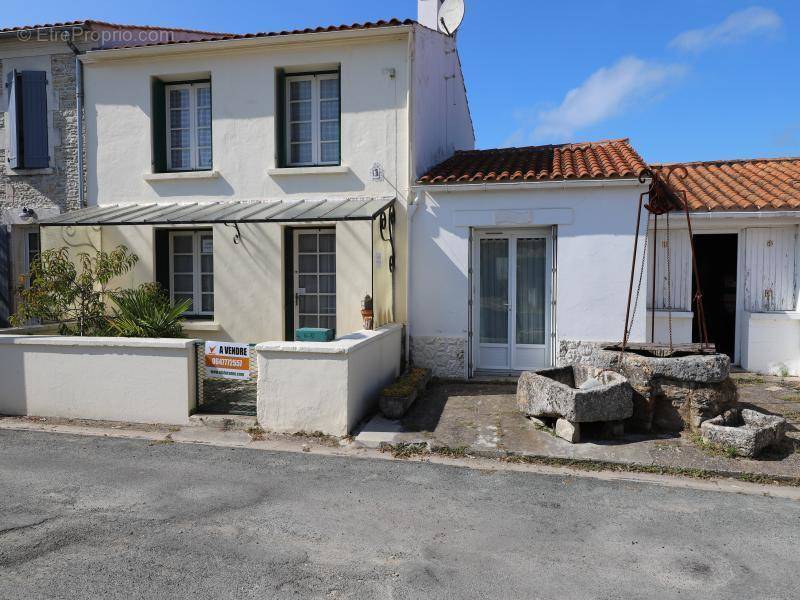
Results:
[28, 214]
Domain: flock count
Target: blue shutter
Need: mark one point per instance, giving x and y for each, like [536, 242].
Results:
[34, 120]
[5, 275]
[12, 153]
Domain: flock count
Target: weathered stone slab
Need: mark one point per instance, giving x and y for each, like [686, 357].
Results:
[568, 431]
[579, 393]
[746, 430]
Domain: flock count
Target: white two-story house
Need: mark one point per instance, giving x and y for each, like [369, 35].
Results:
[266, 177]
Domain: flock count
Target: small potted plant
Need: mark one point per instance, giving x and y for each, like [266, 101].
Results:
[366, 311]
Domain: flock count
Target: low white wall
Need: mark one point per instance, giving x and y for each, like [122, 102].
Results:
[327, 387]
[110, 379]
[681, 326]
[771, 343]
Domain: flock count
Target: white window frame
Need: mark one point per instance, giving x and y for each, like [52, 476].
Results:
[296, 261]
[316, 142]
[197, 291]
[194, 150]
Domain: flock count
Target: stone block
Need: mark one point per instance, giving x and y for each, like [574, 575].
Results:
[605, 395]
[748, 431]
[671, 393]
[568, 431]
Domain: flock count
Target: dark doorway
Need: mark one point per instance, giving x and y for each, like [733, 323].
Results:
[716, 264]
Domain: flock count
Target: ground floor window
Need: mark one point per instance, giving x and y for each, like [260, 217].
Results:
[191, 261]
[315, 278]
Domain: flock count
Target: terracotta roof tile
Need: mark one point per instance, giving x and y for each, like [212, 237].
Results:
[606, 159]
[747, 184]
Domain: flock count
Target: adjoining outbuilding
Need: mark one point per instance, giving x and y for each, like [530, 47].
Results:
[745, 216]
[512, 250]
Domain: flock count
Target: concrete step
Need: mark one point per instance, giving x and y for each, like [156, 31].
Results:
[220, 421]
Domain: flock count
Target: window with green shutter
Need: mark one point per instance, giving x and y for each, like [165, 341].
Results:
[182, 126]
[309, 119]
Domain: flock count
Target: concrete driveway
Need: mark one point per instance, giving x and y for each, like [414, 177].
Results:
[112, 518]
[483, 418]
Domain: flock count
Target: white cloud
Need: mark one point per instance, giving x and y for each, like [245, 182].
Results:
[606, 93]
[736, 27]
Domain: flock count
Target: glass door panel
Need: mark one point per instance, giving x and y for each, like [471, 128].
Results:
[530, 305]
[494, 291]
[315, 278]
[494, 302]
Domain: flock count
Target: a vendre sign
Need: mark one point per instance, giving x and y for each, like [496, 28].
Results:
[225, 360]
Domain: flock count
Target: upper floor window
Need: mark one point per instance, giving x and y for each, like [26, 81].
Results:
[188, 126]
[26, 93]
[312, 115]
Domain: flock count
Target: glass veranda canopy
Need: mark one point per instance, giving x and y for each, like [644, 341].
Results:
[188, 213]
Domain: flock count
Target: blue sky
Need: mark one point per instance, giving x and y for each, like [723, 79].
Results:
[685, 80]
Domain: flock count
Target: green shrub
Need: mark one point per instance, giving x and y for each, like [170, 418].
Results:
[72, 291]
[147, 312]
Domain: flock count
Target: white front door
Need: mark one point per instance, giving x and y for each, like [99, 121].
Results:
[512, 299]
[315, 278]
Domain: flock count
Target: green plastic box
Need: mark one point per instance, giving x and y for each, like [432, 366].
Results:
[313, 334]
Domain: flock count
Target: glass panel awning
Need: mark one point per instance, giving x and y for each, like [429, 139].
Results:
[276, 211]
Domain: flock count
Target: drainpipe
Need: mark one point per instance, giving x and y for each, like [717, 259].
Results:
[413, 197]
[79, 118]
[411, 210]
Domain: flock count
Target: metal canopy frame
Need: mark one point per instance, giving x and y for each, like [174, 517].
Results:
[277, 211]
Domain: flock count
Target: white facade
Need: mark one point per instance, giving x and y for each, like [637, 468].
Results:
[403, 108]
[591, 226]
[766, 328]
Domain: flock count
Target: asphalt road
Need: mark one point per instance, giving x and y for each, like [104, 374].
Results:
[109, 518]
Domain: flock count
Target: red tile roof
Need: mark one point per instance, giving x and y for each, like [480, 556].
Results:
[607, 159]
[748, 184]
[329, 28]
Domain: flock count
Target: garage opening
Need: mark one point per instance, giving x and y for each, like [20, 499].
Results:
[716, 264]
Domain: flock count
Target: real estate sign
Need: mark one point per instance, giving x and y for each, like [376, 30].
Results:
[225, 360]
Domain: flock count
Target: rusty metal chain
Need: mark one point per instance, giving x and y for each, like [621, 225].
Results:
[641, 273]
[669, 284]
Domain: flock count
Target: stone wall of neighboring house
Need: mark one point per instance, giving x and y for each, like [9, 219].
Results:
[56, 187]
[48, 191]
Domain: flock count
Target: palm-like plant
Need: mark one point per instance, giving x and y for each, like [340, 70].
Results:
[147, 312]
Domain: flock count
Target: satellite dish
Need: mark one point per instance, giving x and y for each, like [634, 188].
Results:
[451, 13]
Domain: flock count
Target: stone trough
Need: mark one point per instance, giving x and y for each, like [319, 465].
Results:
[576, 394]
[673, 389]
[748, 431]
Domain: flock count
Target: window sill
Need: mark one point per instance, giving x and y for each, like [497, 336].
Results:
[27, 172]
[322, 170]
[181, 175]
[200, 325]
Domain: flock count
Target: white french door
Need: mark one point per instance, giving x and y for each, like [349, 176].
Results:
[315, 278]
[512, 300]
